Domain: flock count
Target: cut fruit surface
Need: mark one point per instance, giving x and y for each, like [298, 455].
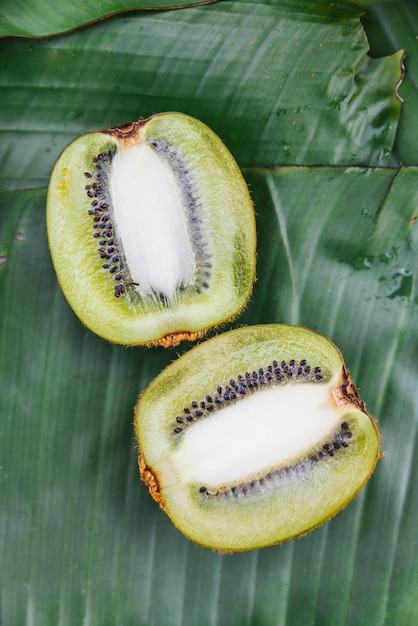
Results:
[254, 437]
[151, 230]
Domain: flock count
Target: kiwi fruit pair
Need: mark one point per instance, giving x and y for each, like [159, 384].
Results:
[254, 436]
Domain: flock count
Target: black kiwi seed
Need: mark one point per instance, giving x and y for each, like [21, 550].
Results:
[102, 222]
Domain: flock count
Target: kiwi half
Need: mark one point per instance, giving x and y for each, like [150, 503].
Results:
[254, 437]
[151, 230]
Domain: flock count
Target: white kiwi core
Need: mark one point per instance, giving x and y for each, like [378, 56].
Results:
[270, 428]
[150, 221]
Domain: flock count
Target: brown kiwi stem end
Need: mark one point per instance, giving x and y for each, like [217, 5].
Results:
[151, 481]
[346, 393]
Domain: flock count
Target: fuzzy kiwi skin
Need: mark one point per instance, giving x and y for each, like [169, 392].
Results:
[280, 511]
[228, 226]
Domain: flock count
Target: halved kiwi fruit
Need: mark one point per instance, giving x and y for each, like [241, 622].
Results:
[151, 230]
[254, 437]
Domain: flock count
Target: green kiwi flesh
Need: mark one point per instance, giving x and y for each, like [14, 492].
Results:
[151, 230]
[255, 436]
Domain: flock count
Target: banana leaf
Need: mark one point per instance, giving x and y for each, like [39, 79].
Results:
[280, 83]
[390, 27]
[40, 18]
[81, 540]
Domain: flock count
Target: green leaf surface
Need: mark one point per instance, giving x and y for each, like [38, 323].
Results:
[390, 27]
[280, 83]
[40, 18]
[82, 542]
